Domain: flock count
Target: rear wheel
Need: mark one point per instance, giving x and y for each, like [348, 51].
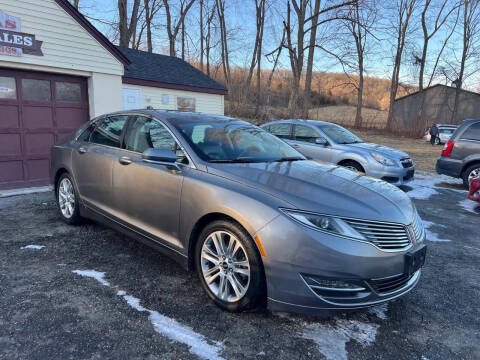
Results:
[229, 266]
[470, 173]
[67, 200]
[437, 141]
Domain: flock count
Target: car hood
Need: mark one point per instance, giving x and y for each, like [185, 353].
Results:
[323, 188]
[384, 150]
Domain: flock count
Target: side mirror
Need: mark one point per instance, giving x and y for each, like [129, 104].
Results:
[159, 155]
[321, 141]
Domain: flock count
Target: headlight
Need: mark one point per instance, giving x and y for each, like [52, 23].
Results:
[324, 223]
[382, 159]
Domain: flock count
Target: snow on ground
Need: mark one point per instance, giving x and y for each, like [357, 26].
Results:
[164, 325]
[379, 311]
[33, 247]
[424, 184]
[469, 205]
[331, 339]
[433, 236]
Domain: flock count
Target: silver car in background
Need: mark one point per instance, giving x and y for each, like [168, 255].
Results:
[334, 144]
[255, 219]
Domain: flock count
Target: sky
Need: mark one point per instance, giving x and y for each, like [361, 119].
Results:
[241, 26]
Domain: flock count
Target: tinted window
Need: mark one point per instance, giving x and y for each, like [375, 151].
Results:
[472, 133]
[86, 133]
[281, 130]
[306, 134]
[448, 131]
[38, 90]
[109, 131]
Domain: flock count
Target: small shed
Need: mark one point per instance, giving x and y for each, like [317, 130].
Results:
[438, 107]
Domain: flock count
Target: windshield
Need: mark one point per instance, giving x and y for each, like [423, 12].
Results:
[339, 134]
[234, 141]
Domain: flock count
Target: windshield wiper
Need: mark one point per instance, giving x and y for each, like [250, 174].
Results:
[292, 158]
[237, 160]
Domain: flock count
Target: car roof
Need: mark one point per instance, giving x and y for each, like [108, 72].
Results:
[447, 125]
[300, 121]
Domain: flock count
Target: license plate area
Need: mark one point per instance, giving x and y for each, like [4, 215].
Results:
[414, 260]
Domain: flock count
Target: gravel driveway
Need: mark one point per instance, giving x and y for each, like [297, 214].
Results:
[87, 292]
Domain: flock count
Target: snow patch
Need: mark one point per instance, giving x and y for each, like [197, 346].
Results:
[331, 339]
[431, 236]
[33, 247]
[424, 183]
[469, 205]
[380, 311]
[164, 325]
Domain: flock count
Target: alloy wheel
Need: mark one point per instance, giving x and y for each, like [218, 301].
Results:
[225, 266]
[66, 198]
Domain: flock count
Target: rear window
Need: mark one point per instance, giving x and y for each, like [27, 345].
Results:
[472, 132]
[447, 131]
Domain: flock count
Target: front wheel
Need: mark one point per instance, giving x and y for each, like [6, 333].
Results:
[67, 200]
[470, 173]
[230, 267]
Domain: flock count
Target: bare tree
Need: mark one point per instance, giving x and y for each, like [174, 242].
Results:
[74, 3]
[471, 30]
[403, 13]
[151, 8]
[202, 37]
[257, 46]
[126, 29]
[304, 23]
[173, 29]
[208, 45]
[275, 54]
[437, 20]
[223, 40]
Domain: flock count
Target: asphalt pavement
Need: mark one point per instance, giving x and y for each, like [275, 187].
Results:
[87, 292]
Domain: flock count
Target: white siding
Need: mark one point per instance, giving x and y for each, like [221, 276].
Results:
[205, 103]
[66, 44]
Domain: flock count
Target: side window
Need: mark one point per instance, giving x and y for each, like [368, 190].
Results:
[85, 135]
[472, 133]
[306, 134]
[282, 130]
[109, 131]
[145, 133]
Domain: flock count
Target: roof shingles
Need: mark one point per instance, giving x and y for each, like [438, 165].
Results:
[167, 71]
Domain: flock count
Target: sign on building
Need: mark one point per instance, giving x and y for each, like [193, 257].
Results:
[13, 42]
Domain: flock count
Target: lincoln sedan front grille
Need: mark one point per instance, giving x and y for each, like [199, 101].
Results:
[390, 284]
[386, 236]
[418, 229]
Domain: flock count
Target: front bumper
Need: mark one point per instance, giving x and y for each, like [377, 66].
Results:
[294, 252]
[394, 175]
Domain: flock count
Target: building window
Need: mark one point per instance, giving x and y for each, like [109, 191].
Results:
[8, 88]
[165, 100]
[65, 91]
[185, 103]
[37, 90]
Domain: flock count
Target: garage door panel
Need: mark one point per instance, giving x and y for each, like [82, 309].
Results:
[37, 169]
[9, 117]
[11, 171]
[38, 143]
[70, 118]
[37, 117]
[10, 144]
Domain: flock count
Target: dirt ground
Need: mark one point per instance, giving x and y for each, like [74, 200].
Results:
[424, 154]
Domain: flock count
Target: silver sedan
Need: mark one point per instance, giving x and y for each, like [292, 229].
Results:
[332, 143]
[252, 216]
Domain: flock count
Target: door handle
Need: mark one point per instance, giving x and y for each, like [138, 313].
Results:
[295, 145]
[82, 150]
[125, 160]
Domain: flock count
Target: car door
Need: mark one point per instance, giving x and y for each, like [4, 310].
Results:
[93, 159]
[147, 194]
[304, 140]
[281, 130]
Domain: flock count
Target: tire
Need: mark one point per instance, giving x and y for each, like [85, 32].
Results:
[437, 141]
[354, 166]
[254, 289]
[66, 194]
[471, 170]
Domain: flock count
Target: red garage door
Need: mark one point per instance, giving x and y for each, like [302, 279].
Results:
[36, 110]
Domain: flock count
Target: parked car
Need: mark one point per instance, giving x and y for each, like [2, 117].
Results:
[474, 193]
[248, 212]
[445, 131]
[461, 154]
[332, 143]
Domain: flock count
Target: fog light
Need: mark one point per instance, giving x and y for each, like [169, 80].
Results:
[333, 285]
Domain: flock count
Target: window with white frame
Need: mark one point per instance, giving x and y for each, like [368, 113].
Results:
[185, 103]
